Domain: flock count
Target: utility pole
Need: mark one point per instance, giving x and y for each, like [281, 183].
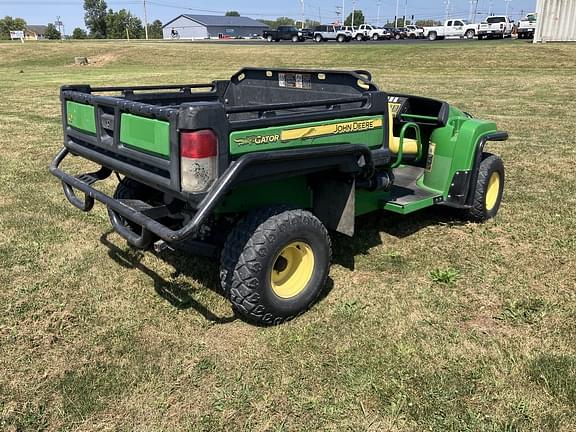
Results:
[446, 9]
[475, 11]
[396, 17]
[59, 24]
[378, 3]
[338, 15]
[490, 8]
[145, 20]
[405, 12]
[353, 11]
[507, 5]
[302, 12]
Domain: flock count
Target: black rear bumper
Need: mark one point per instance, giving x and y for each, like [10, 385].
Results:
[351, 158]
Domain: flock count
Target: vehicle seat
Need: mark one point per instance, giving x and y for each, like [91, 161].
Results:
[410, 147]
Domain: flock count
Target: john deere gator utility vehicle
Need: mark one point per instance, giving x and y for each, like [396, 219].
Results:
[259, 168]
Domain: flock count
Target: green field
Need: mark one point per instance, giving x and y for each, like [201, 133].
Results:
[428, 323]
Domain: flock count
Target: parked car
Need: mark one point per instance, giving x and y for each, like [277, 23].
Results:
[397, 33]
[307, 33]
[367, 31]
[324, 33]
[284, 33]
[415, 32]
[498, 26]
[527, 26]
[451, 28]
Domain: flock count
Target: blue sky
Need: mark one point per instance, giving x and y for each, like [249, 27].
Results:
[72, 13]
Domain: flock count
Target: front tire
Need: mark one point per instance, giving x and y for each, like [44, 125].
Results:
[432, 36]
[470, 34]
[375, 37]
[341, 38]
[274, 264]
[318, 38]
[489, 189]
[269, 38]
[295, 39]
[359, 38]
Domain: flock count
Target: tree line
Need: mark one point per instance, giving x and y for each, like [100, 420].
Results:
[104, 23]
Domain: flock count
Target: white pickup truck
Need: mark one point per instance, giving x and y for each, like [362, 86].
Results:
[497, 26]
[452, 28]
[366, 31]
[527, 26]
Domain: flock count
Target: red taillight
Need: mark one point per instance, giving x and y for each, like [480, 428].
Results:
[199, 144]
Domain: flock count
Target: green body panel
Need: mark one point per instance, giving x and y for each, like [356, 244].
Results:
[81, 117]
[367, 130]
[455, 149]
[293, 191]
[148, 135]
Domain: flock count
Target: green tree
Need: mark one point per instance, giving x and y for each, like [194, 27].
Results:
[79, 33]
[52, 32]
[428, 23]
[8, 24]
[232, 13]
[281, 21]
[95, 18]
[118, 23]
[155, 30]
[310, 24]
[358, 18]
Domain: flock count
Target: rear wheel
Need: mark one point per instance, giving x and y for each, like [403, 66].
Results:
[274, 264]
[397, 36]
[341, 38]
[269, 38]
[375, 37]
[470, 34]
[295, 38]
[359, 37]
[489, 189]
[432, 36]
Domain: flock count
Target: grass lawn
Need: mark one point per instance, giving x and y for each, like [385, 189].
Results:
[427, 324]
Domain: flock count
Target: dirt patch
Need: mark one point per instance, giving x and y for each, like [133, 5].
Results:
[100, 60]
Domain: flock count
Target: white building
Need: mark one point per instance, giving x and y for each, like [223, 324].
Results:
[211, 26]
[556, 21]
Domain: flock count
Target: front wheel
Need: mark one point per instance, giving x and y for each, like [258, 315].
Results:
[489, 189]
[432, 36]
[375, 37]
[274, 264]
[318, 38]
[470, 34]
[341, 38]
[359, 38]
[295, 38]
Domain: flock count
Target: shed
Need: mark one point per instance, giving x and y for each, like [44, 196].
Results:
[556, 21]
[211, 26]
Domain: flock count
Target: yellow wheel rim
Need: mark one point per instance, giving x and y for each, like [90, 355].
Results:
[492, 190]
[292, 269]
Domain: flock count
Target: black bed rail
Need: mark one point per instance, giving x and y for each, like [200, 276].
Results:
[294, 105]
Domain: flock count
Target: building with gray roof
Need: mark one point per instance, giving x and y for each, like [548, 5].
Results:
[211, 26]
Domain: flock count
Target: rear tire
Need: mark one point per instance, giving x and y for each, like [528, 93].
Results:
[341, 38]
[274, 264]
[375, 37]
[470, 34]
[489, 189]
[269, 38]
[359, 38]
[295, 39]
[432, 36]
